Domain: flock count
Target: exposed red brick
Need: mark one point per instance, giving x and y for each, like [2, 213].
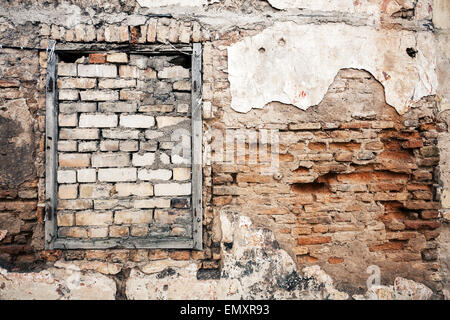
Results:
[349, 146]
[222, 200]
[387, 246]
[412, 144]
[180, 255]
[313, 240]
[357, 177]
[50, 255]
[286, 157]
[335, 260]
[97, 58]
[253, 178]
[317, 146]
[9, 83]
[18, 206]
[355, 125]
[420, 224]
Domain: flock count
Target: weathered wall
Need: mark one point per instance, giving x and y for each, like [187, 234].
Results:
[362, 174]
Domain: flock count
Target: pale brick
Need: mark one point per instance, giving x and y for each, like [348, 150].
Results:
[134, 189]
[158, 174]
[87, 146]
[151, 30]
[67, 176]
[166, 145]
[124, 33]
[169, 121]
[139, 230]
[129, 145]
[77, 107]
[106, 204]
[133, 217]
[137, 121]
[68, 120]
[68, 94]
[67, 146]
[182, 86]
[180, 174]
[182, 108]
[157, 108]
[145, 159]
[77, 83]
[97, 70]
[172, 189]
[109, 145]
[147, 74]
[73, 232]
[120, 134]
[153, 134]
[79, 134]
[116, 83]
[90, 218]
[74, 160]
[117, 175]
[95, 191]
[98, 232]
[166, 217]
[164, 158]
[185, 34]
[176, 159]
[99, 95]
[86, 175]
[175, 72]
[105, 160]
[98, 120]
[132, 95]
[151, 203]
[112, 33]
[65, 219]
[128, 71]
[67, 69]
[148, 145]
[76, 204]
[117, 57]
[67, 191]
[118, 231]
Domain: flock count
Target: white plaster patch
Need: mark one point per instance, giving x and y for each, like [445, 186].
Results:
[165, 3]
[295, 64]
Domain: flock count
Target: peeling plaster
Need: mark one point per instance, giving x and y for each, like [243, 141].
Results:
[295, 64]
[254, 267]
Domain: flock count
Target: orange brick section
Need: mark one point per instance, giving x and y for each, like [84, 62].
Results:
[313, 240]
[97, 58]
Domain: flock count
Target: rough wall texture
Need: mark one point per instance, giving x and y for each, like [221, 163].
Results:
[358, 184]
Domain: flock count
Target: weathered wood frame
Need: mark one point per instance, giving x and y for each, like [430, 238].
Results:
[196, 242]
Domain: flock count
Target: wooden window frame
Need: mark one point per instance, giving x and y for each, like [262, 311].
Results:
[51, 148]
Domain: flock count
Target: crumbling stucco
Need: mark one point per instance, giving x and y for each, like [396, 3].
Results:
[254, 267]
[56, 284]
[295, 64]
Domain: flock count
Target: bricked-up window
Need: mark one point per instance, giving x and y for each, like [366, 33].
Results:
[124, 148]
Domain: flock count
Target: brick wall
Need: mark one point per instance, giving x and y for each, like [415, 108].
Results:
[358, 184]
[120, 117]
